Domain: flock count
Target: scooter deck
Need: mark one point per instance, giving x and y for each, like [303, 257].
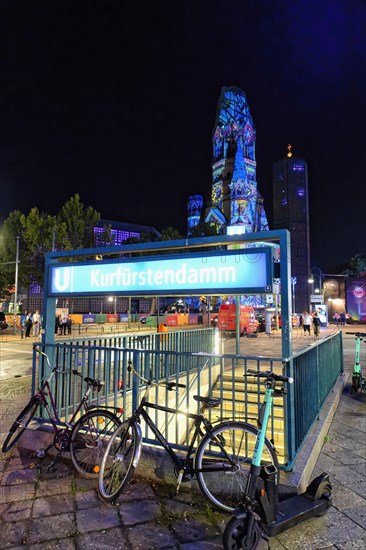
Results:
[295, 510]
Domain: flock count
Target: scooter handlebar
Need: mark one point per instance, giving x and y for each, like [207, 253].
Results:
[271, 376]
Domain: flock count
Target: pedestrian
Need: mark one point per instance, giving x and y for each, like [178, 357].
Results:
[63, 319]
[307, 323]
[342, 319]
[316, 324]
[57, 323]
[69, 324]
[336, 318]
[28, 324]
[36, 320]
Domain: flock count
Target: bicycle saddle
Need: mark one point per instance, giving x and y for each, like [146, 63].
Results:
[97, 384]
[208, 401]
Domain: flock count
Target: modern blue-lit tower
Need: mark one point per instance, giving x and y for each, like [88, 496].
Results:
[291, 211]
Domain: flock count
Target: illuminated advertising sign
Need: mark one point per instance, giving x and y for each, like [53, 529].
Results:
[356, 297]
[231, 272]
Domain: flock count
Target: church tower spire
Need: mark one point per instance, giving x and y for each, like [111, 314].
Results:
[235, 200]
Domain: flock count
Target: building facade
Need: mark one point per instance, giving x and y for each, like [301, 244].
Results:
[291, 211]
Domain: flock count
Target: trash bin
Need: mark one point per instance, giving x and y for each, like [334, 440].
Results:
[162, 328]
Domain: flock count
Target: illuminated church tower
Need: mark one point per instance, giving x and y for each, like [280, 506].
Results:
[236, 206]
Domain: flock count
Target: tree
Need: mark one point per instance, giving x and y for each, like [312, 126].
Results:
[356, 266]
[170, 234]
[80, 222]
[204, 229]
[10, 230]
[41, 233]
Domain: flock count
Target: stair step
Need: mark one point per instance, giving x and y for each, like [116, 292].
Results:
[278, 423]
[249, 381]
[240, 397]
[239, 373]
[227, 384]
[251, 409]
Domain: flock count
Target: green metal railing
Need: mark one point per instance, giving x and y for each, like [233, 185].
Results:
[314, 370]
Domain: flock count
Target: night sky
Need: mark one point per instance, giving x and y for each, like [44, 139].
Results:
[116, 100]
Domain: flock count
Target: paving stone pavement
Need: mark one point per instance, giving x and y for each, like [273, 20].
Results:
[61, 511]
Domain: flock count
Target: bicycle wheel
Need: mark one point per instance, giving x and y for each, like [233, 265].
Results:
[20, 424]
[89, 438]
[235, 535]
[119, 460]
[226, 453]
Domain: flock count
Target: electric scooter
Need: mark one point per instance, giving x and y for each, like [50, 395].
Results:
[261, 515]
[358, 381]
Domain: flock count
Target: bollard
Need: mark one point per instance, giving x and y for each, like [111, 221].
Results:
[162, 328]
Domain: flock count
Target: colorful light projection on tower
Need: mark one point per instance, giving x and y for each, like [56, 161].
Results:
[195, 204]
[236, 203]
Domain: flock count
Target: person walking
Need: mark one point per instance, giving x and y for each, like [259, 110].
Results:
[36, 320]
[316, 324]
[336, 318]
[69, 324]
[28, 324]
[342, 319]
[64, 317]
[307, 324]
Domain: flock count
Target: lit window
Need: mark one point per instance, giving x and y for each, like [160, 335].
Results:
[284, 202]
[301, 192]
[297, 167]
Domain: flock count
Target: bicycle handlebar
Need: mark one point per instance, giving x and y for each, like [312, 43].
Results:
[55, 369]
[47, 358]
[168, 385]
[271, 376]
[358, 334]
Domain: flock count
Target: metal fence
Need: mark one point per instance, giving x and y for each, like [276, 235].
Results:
[315, 371]
[204, 373]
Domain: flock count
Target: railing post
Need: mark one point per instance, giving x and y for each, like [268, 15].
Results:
[318, 380]
[290, 427]
[135, 381]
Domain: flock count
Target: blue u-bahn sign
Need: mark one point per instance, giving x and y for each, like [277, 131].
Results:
[215, 272]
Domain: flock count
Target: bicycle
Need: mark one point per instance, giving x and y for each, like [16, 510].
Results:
[85, 438]
[220, 461]
[260, 514]
[358, 381]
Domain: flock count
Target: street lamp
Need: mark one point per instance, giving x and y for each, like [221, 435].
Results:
[293, 283]
[317, 272]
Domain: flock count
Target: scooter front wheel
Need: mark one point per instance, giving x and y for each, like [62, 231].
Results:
[356, 382]
[236, 535]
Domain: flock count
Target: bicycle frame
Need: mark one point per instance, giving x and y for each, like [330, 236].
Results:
[183, 465]
[198, 420]
[45, 397]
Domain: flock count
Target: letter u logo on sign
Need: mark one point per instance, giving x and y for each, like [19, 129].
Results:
[63, 279]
